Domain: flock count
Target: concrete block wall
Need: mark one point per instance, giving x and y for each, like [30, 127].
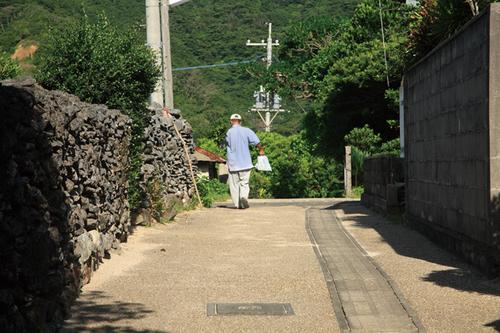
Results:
[452, 143]
[379, 173]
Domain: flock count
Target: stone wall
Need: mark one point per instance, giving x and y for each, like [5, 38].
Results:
[452, 141]
[63, 200]
[166, 177]
[383, 182]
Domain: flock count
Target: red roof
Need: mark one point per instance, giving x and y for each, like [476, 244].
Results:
[212, 156]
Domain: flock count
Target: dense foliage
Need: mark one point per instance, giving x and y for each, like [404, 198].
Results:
[437, 20]
[25, 20]
[103, 65]
[8, 67]
[339, 66]
[297, 171]
[203, 32]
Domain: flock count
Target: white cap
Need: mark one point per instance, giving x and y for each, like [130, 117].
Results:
[235, 117]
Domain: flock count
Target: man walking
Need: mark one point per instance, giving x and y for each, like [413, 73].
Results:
[239, 161]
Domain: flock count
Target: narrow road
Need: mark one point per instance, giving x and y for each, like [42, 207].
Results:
[280, 266]
[221, 255]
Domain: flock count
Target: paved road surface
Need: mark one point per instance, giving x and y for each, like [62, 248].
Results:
[217, 255]
[168, 274]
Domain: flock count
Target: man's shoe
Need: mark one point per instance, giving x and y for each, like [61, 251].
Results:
[244, 203]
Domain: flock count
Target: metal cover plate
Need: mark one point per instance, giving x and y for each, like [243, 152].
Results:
[249, 309]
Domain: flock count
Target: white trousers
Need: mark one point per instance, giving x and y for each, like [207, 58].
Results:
[239, 185]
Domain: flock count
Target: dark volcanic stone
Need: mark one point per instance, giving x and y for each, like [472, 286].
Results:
[44, 171]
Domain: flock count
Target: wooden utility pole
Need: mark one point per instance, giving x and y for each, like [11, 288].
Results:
[348, 172]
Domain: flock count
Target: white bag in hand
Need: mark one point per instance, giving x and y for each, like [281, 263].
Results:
[263, 164]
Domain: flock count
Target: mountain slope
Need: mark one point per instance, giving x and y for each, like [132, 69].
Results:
[203, 32]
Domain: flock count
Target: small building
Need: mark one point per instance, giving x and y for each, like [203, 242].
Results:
[207, 163]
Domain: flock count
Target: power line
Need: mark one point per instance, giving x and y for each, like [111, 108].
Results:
[231, 63]
[383, 42]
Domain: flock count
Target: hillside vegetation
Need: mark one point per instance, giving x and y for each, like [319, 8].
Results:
[203, 32]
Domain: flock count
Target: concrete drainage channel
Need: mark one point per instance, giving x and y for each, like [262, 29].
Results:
[364, 298]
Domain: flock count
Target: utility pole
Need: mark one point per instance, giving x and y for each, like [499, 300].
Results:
[269, 45]
[158, 38]
[153, 31]
[168, 82]
[265, 103]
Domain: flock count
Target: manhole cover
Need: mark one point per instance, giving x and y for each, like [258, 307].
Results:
[249, 309]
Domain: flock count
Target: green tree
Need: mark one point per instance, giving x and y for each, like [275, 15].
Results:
[368, 143]
[339, 65]
[99, 63]
[364, 139]
[105, 65]
[8, 67]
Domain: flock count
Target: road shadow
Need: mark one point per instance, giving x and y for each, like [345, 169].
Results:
[409, 243]
[494, 324]
[97, 312]
[223, 206]
[114, 329]
[495, 220]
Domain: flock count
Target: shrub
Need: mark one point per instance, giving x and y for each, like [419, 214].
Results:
[297, 171]
[260, 185]
[104, 65]
[357, 164]
[368, 143]
[363, 138]
[8, 67]
[212, 190]
[99, 63]
[156, 191]
[391, 147]
[357, 191]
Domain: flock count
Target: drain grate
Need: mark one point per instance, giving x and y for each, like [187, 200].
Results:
[249, 309]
